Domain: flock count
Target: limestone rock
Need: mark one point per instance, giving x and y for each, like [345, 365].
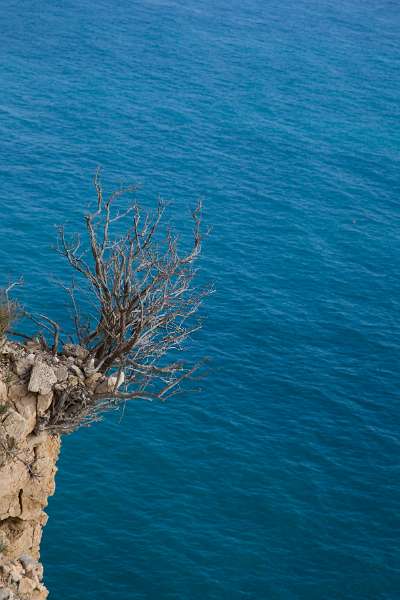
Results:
[77, 372]
[42, 378]
[43, 403]
[7, 347]
[105, 387]
[26, 406]
[9, 507]
[27, 469]
[26, 586]
[3, 392]
[32, 567]
[75, 351]
[17, 390]
[14, 424]
[61, 372]
[15, 574]
[23, 365]
[89, 367]
[93, 380]
[110, 384]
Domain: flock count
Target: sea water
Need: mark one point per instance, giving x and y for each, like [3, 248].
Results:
[280, 480]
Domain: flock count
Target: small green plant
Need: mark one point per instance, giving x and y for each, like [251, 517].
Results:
[3, 547]
[3, 409]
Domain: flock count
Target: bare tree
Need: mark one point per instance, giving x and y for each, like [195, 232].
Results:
[141, 293]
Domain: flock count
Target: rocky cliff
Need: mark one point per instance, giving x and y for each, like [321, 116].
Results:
[27, 469]
[41, 395]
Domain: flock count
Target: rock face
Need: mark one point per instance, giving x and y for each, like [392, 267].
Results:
[41, 396]
[27, 470]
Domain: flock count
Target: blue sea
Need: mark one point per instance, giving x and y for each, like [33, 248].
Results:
[280, 480]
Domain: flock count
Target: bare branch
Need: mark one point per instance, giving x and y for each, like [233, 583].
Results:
[141, 288]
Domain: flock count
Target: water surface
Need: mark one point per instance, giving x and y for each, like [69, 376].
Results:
[280, 480]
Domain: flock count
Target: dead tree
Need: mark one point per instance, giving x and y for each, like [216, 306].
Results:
[141, 293]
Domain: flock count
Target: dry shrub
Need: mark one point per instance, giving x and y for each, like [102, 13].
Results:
[10, 311]
[140, 286]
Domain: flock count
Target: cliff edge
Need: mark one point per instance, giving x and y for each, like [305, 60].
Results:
[42, 395]
[31, 381]
[27, 469]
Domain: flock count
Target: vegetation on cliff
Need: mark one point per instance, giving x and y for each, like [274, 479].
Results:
[133, 306]
[133, 303]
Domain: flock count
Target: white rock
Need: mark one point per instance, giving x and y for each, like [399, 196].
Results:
[89, 367]
[42, 378]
